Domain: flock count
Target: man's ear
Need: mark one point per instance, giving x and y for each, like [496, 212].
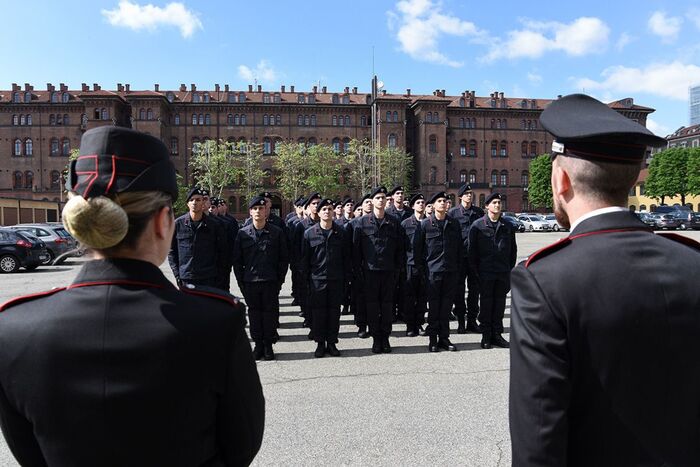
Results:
[561, 182]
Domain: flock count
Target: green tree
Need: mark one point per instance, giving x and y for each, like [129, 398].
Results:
[694, 172]
[358, 163]
[668, 174]
[324, 166]
[248, 170]
[212, 165]
[180, 205]
[395, 166]
[539, 191]
[290, 163]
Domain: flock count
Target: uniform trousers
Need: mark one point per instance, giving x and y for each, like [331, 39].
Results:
[303, 299]
[399, 292]
[226, 280]
[209, 282]
[440, 291]
[262, 301]
[493, 290]
[295, 282]
[379, 296]
[413, 297]
[325, 297]
[359, 305]
[470, 303]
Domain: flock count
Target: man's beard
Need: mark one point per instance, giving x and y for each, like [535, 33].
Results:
[561, 216]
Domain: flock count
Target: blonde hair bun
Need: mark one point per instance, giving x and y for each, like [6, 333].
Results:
[95, 222]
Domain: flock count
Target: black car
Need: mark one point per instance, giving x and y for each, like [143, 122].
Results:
[520, 227]
[647, 218]
[18, 249]
[688, 219]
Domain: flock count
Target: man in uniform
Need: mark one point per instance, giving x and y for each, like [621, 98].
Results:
[231, 230]
[428, 210]
[297, 212]
[396, 207]
[413, 275]
[310, 218]
[199, 254]
[605, 366]
[378, 256]
[326, 267]
[492, 254]
[357, 300]
[260, 264]
[466, 213]
[293, 218]
[346, 215]
[440, 240]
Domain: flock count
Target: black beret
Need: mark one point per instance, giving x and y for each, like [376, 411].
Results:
[205, 192]
[415, 198]
[299, 201]
[348, 200]
[395, 189]
[113, 159]
[491, 197]
[357, 205]
[366, 197]
[436, 196]
[326, 202]
[256, 201]
[311, 197]
[195, 190]
[376, 191]
[221, 202]
[585, 127]
[266, 194]
[463, 189]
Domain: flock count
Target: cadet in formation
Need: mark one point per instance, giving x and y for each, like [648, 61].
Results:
[310, 218]
[413, 276]
[357, 299]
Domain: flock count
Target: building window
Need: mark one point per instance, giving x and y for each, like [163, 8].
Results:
[170, 96]
[493, 123]
[22, 120]
[396, 116]
[641, 189]
[194, 119]
[312, 142]
[300, 120]
[313, 120]
[54, 147]
[195, 145]
[504, 178]
[462, 176]
[149, 114]
[533, 148]
[173, 146]
[504, 124]
[432, 175]
[15, 97]
[17, 180]
[301, 99]
[341, 121]
[524, 178]
[15, 120]
[66, 147]
[207, 119]
[201, 119]
[28, 179]
[277, 98]
[363, 120]
[236, 120]
[195, 97]
[177, 119]
[312, 99]
[463, 148]
[55, 180]
[266, 98]
[472, 176]
[278, 120]
[243, 119]
[436, 117]
[54, 97]
[267, 146]
[503, 149]
[59, 119]
[523, 148]
[335, 99]
[336, 145]
[334, 120]
[388, 116]
[301, 141]
[392, 140]
[346, 145]
[347, 120]
[241, 97]
[17, 148]
[142, 114]
[494, 148]
[206, 97]
[472, 148]
[306, 120]
[229, 119]
[266, 120]
[461, 123]
[65, 97]
[429, 117]
[29, 119]
[346, 99]
[432, 145]
[65, 120]
[28, 147]
[494, 178]
[27, 97]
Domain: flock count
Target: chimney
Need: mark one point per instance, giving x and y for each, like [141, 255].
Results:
[120, 87]
[49, 86]
[63, 87]
[94, 86]
[500, 95]
[408, 92]
[26, 86]
[323, 89]
[259, 88]
[443, 92]
[225, 87]
[250, 88]
[193, 87]
[15, 87]
[83, 86]
[127, 87]
[435, 93]
[473, 94]
[282, 88]
[559, 96]
[291, 88]
[354, 90]
[217, 88]
[183, 88]
[383, 92]
[315, 88]
[347, 90]
[156, 87]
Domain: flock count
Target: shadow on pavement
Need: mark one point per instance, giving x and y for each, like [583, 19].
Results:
[401, 350]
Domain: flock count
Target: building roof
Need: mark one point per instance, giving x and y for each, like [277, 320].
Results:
[684, 132]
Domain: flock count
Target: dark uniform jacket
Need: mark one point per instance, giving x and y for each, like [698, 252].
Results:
[231, 229]
[400, 216]
[298, 235]
[198, 254]
[605, 349]
[492, 251]
[441, 247]
[466, 218]
[342, 220]
[377, 245]
[122, 369]
[326, 257]
[411, 246]
[260, 256]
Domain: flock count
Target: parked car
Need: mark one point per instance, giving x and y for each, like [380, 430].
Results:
[688, 219]
[664, 209]
[551, 219]
[665, 221]
[58, 240]
[515, 222]
[534, 223]
[647, 218]
[18, 249]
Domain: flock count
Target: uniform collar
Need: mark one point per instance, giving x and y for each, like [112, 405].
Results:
[122, 270]
[597, 212]
[609, 220]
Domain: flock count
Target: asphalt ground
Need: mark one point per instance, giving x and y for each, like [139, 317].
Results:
[409, 407]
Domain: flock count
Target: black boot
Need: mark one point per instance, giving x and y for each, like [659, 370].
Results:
[486, 340]
[362, 332]
[433, 344]
[473, 327]
[498, 341]
[460, 325]
[447, 345]
[411, 331]
[269, 353]
[345, 310]
[258, 351]
[333, 350]
[421, 331]
[376, 345]
[320, 350]
[386, 347]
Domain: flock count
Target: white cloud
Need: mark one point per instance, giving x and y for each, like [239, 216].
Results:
[624, 40]
[534, 78]
[134, 16]
[666, 27]
[670, 80]
[582, 36]
[419, 25]
[694, 15]
[263, 71]
[657, 128]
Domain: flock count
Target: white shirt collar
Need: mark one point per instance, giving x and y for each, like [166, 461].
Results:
[597, 212]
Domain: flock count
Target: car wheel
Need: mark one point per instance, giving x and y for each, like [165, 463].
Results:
[31, 267]
[530, 228]
[50, 259]
[682, 227]
[556, 227]
[8, 263]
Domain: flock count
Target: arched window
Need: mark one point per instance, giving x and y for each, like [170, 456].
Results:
[200, 119]
[142, 115]
[28, 147]
[472, 176]
[196, 145]
[277, 98]
[22, 120]
[313, 120]
[207, 119]
[54, 97]
[643, 207]
[347, 120]
[363, 120]
[174, 145]
[306, 120]
[65, 147]
[396, 116]
[17, 147]
[54, 147]
[206, 97]
[522, 124]
[300, 119]
[59, 119]
[241, 97]
[523, 148]
[28, 179]
[494, 178]
[504, 178]
[432, 174]
[301, 140]
[266, 120]
[473, 122]
[65, 120]
[462, 176]
[17, 180]
[524, 178]
[194, 119]
[15, 119]
[341, 120]
[346, 144]
[533, 148]
[503, 149]
[493, 123]
[267, 145]
[463, 148]
[177, 119]
[335, 99]
[236, 119]
[534, 124]
[55, 180]
[432, 145]
[494, 148]
[229, 119]
[334, 120]
[29, 119]
[436, 118]
[392, 140]
[301, 98]
[388, 116]
[149, 114]
[336, 145]
[278, 120]
[312, 142]
[243, 119]
[27, 96]
[429, 117]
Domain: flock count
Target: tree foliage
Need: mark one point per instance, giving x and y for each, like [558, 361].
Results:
[668, 174]
[358, 163]
[694, 171]
[248, 170]
[323, 165]
[395, 166]
[213, 165]
[539, 190]
[290, 163]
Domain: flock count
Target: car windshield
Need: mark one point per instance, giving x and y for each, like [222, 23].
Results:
[63, 233]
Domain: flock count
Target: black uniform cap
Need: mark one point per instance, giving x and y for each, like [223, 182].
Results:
[311, 197]
[366, 197]
[326, 202]
[256, 201]
[348, 201]
[195, 190]
[299, 201]
[205, 192]
[113, 159]
[463, 189]
[586, 128]
[491, 197]
[266, 194]
[376, 191]
[394, 190]
[415, 198]
[436, 196]
[357, 205]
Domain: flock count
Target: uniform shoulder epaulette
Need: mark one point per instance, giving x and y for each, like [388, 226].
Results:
[26, 298]
[687, 241]
[548, 250]
[211, 292]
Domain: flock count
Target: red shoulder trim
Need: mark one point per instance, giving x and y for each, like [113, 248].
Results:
[26, 298]
[210, 295]
[541, 253]
[687, 241]
[116, 282]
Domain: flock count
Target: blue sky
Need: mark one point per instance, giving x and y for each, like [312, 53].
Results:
[648, 50]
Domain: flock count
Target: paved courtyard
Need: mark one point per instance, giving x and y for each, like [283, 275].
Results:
[409, 407]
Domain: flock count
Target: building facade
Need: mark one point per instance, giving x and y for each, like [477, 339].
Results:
[694, 95]
[485, 141]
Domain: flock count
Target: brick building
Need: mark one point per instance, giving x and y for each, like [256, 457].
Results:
[486, 141]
